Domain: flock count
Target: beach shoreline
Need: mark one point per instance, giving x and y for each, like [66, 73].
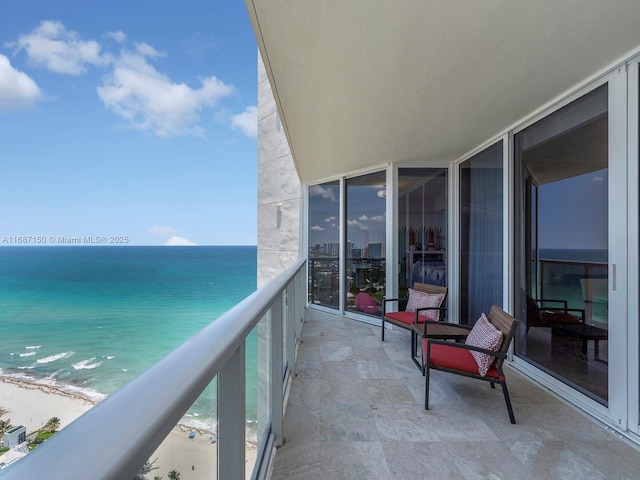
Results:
[32, 404]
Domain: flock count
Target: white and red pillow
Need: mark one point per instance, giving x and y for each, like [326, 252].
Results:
[484, 335]
[418, 299]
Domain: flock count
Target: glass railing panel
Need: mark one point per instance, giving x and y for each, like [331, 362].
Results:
[258, 401]
[191, 448]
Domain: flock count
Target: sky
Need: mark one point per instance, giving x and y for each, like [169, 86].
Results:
[127, 120]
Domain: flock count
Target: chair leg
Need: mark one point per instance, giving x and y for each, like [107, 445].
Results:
[426, 388]
[503, 383]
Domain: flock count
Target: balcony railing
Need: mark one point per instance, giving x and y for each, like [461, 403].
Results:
[115, 438]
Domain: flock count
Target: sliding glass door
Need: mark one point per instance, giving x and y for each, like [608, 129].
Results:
[562, 224]
[422, 227]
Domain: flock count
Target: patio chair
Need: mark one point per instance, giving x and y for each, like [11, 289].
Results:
[480, 357]
[544, 312]
[425, 302]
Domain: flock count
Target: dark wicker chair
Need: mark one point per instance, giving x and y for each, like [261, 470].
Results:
[456, 357]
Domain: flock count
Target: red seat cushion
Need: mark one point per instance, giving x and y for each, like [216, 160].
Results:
[404, 317]
[455, 358]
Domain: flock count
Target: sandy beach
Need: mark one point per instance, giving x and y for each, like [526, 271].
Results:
[32, 405]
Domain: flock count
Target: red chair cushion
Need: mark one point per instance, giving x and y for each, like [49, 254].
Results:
[559, 318]
[404, 317]
[455, 358]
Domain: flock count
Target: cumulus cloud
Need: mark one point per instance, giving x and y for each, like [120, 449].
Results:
[55, 48]
[363, 218]
[353, 223]
[330, 219]
[143, 97]
[158, 230]
[148, 100]
[317, 228]
[378, 218]
[323, 192]
[17, 89]
[597, 179]
[118, 36]
[178, 241]
[147, 50]
[247, 121]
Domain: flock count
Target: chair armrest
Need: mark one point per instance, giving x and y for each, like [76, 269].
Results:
[442, 309]
[386, 300]
[543, 301]
[442, 323]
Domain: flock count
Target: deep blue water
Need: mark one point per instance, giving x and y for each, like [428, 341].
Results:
[92, 318]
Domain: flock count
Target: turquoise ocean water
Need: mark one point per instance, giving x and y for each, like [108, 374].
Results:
[89, 319]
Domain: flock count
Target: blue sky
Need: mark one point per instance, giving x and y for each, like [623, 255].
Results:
[128, 118]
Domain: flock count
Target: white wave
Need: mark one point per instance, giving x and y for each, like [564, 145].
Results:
[28, 354]
[125, 369]
[53, 358]
[33, 347]
[29, 367]
[110, 358]
[86, 364]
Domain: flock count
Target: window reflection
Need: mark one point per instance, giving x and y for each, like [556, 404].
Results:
[365, 244]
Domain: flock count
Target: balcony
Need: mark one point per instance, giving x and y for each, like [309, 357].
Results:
[356, 411]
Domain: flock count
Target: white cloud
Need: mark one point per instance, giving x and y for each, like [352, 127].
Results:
[178, 241]
[118, 36]
[317, 228]
[147, 50]
[148, 100]
[51, 46]
[247, 121]
[378, 218]
[330, 219]
[158, 230]
[353, 223]
[323, 192]
[17, 89]
[598, 179]
[363, 218]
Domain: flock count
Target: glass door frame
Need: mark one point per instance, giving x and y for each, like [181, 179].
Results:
[633, 260]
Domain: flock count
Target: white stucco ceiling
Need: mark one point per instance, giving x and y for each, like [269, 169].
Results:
[360, 83]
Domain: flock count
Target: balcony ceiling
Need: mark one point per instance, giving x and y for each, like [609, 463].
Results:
[360, 83]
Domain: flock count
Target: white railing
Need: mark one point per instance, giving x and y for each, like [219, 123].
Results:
[116, 437]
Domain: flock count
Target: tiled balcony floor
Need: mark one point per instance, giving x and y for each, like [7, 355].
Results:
[356, 411]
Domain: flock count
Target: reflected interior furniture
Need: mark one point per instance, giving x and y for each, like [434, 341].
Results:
[548, 313]
[456, 358]
[585, 333]
[406, 320]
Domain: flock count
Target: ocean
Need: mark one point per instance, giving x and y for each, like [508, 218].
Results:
[88, 319]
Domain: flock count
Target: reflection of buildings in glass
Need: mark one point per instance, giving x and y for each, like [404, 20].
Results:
[376, 250]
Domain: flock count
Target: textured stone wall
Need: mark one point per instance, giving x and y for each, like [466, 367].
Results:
[279, 190]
